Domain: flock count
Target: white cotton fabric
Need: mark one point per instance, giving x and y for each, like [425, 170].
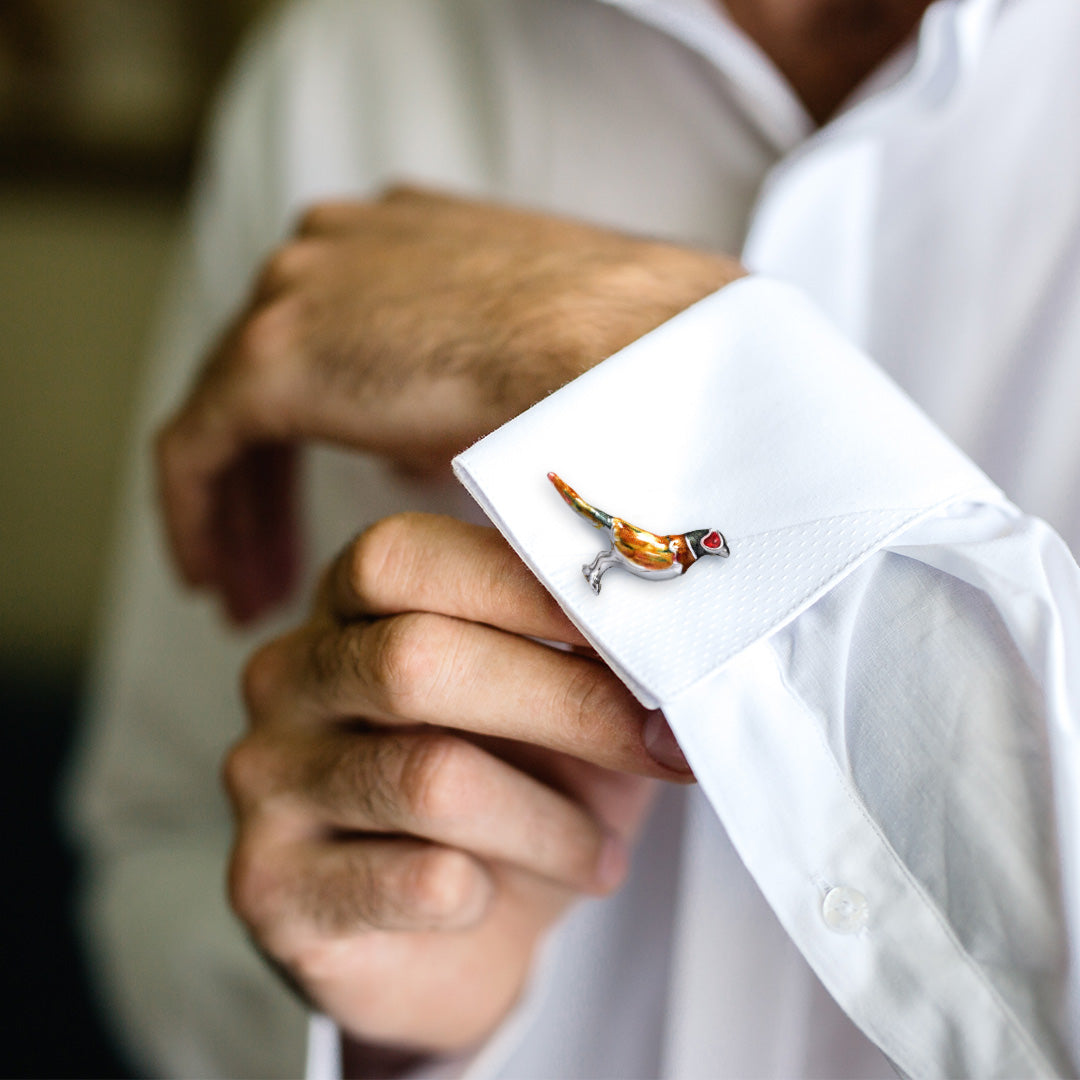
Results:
[758, 367]
[831, 739]
[908, 739]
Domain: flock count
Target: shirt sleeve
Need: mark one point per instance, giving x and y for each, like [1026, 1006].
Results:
[182, 985]
[876, 690]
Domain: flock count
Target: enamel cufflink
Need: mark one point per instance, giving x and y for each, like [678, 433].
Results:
[638, 550]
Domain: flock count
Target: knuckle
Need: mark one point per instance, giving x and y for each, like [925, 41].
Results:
[373, 556]
[252, 886]
[594, 710]
[436, 777]
[260, 679]
[439, 883]
[263, 338]
[175, 443]
[246, 772]
[403, 661]
[313, 959]
[320, 217]
[238, 772]
[282, 268]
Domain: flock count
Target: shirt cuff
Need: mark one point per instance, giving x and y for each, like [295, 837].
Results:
[747, 413]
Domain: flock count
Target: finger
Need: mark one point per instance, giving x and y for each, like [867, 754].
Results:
[446, 790]
[618, 800]
[426, 562]
[341, 886]
[431, 669]
[285, 269]
[333, 216]
[245, 396]
[256, 531]
[403, 989]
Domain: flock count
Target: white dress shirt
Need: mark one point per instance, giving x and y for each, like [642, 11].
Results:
[874, 690]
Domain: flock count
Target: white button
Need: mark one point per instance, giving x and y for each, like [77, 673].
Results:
[845, 910]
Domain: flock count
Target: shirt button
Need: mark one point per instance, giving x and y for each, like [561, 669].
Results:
[845, 910]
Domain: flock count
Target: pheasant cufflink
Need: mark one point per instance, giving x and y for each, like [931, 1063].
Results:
[638, 550]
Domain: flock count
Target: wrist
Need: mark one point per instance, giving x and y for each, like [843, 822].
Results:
[618, 294]
[632, 296]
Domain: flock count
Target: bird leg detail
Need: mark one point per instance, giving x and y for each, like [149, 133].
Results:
[595, 570]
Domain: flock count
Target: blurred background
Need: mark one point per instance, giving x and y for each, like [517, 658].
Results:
[100, 103]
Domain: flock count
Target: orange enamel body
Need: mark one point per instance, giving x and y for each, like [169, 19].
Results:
[647, 550]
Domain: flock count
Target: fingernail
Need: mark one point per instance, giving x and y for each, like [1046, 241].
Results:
[660, 742]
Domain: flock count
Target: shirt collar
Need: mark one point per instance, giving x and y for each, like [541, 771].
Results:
[762, 92]
[950, 42]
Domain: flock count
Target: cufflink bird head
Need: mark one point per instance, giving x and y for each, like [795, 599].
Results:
[646, 554]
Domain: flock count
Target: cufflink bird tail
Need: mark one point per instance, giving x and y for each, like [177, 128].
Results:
[599, 519]
[638, 550]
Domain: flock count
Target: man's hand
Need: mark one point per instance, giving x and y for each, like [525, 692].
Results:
[408, 327]
[423, 790]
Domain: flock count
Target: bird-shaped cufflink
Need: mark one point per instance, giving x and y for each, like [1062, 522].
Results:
[638, 550]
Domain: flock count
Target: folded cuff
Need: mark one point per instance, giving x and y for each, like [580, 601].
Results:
[747, 413]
